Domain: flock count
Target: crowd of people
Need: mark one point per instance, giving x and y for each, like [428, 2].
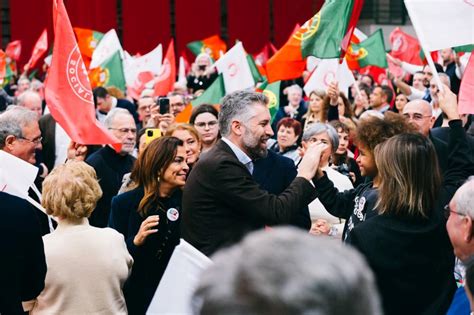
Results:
[386, 170]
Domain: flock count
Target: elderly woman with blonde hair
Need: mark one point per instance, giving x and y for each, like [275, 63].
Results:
[87, 266]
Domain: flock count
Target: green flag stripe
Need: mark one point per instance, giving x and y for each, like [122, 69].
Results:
[213, 94]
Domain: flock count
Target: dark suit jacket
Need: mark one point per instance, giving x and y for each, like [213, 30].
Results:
[274, 174]
[47, 126]
[110, 168]
[22, 263]
[222, 202]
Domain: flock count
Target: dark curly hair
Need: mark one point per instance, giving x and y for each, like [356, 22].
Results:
[372, 130]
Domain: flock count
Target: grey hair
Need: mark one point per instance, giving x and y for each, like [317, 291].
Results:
[13, 120]
[114, 112]
[21, 99]
[238, 105]
[295, 87]
[318, 128]
[287, 271]
[464, 198]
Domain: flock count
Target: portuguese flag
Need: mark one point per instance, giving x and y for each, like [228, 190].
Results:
[212, 45]
[272, 91]
[110, 73]
[370, 52]
[87, 41]
[326, 35]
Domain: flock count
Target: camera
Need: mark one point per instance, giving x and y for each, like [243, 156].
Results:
[164, 104]
[202, 67]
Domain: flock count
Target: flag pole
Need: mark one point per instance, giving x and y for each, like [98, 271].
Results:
[415, 22]
[433, 68]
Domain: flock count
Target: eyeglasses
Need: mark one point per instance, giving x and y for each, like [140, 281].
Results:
[35, 141]
[416, 116]
[447, 212]
[146, 107]
[125, 130]
[203, 124]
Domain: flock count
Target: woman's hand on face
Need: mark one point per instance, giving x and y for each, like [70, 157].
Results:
[146, 228]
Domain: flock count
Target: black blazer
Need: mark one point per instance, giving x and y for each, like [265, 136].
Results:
[22, 263]
[222, 202]
[275, 173]
[150, 259]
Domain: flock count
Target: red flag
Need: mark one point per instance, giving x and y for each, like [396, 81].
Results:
[13, 50]
[288, 62]
[40, 48]
[379, 74]
[405, 47]
[67, 88]
[466, 91]
[165, 81]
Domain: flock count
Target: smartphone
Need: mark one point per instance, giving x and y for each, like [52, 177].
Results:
[164, 104]
[152, 134]
[202, 67]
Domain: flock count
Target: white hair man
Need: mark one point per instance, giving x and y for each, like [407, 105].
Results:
[460, 212]
[286, 271]
[32, 101]
[110, 165]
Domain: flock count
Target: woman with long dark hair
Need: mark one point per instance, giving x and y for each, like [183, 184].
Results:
[406, 244]
[149, 216]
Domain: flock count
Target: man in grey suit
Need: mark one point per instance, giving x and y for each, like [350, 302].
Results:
[221, 200]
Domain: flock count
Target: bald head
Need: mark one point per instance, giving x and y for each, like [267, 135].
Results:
[32, 101]
[419, 113]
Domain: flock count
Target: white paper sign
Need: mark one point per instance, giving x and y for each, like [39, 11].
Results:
[16, 175]
[173, 295]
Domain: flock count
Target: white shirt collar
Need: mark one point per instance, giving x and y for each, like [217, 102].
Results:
[241, 155]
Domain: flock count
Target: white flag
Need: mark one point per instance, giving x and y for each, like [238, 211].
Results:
[182, 72]
[107, 46]
[150, 62]
[173, 295]
[235, 69]
[442, 23]
[329, 70]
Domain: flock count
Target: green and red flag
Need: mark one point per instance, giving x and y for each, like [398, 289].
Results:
[211, 45]
[465, 48]
[328, 33]
[110, 73]
[87, 40]
[287, 63]
[272, 91]
[369, 52]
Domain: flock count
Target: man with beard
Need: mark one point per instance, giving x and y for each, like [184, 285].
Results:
[109, 165]
[221, 200]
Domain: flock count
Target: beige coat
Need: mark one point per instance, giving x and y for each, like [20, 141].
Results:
[87, 268]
